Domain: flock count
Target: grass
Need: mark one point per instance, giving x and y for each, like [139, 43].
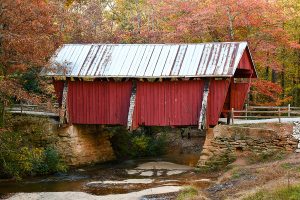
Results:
[187, 193]
[237, 173]
[285, 193]
[265, 156]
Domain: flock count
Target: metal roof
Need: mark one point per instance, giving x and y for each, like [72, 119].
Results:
[146, 60]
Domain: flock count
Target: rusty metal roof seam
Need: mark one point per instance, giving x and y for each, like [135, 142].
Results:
[147, 60]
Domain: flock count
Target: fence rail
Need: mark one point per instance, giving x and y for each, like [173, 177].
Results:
[263, 112]
[40, 109]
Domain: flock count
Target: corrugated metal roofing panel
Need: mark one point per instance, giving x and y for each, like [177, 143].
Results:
[85, 49]
[228, 59]
[170, 61]
[187, 60]
[66, 61]
[205, 59]
[117, 66]
[137, 60]
[222, 59]
[161, 62]
[88, 61]
[104, 60]
[153, 60]
[213, 61]
[195, 60]
[129, 59]
[95, 64]
[113, 63]
[179, 59]
[147, 60]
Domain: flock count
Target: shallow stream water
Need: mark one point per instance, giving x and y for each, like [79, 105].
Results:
[113, 178]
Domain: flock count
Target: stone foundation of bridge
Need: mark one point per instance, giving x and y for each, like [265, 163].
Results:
[241, 141]
[84, 144]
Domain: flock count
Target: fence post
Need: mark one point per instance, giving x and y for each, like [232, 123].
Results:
[228, 117]
[21, 108]
[232, 116]
[246, 106]
[289, 110]
[279, 115]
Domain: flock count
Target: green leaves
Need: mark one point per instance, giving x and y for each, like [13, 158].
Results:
[23, 152]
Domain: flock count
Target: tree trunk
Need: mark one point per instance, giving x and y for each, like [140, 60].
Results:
[267, 73]
[138, 16]
[297, 81]
[274, 76]
[2, 114]
[230, 19]
[283, 81]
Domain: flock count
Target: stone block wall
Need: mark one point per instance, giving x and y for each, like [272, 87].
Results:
[236, 139]
[84, 144]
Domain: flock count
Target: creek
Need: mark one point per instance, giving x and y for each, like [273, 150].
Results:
[151, 178]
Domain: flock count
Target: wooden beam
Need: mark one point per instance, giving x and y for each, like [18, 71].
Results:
[202, 116]
[131, 106]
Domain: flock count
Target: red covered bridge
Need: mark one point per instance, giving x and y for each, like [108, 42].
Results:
[150, 84]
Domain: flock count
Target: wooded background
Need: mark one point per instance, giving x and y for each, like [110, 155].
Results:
[31, 31]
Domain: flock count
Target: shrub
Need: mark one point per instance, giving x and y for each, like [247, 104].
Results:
[21, 154]
[218, 162]
[121, 142]
[187, 193]
[140, 143]
[49, 163]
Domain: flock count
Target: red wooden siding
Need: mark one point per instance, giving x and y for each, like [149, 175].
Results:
[238, 95]
[245, 67]
[99, 102]
[217, 94]
[58, 87]
[245, 62]
[168, 103]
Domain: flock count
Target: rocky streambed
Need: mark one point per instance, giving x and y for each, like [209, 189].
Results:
[133, 179]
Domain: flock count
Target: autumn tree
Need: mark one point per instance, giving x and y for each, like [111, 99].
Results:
[32, 30]
[259, 22]
[28, 37]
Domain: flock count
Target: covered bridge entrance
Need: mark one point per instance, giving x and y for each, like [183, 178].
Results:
[150, 84]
